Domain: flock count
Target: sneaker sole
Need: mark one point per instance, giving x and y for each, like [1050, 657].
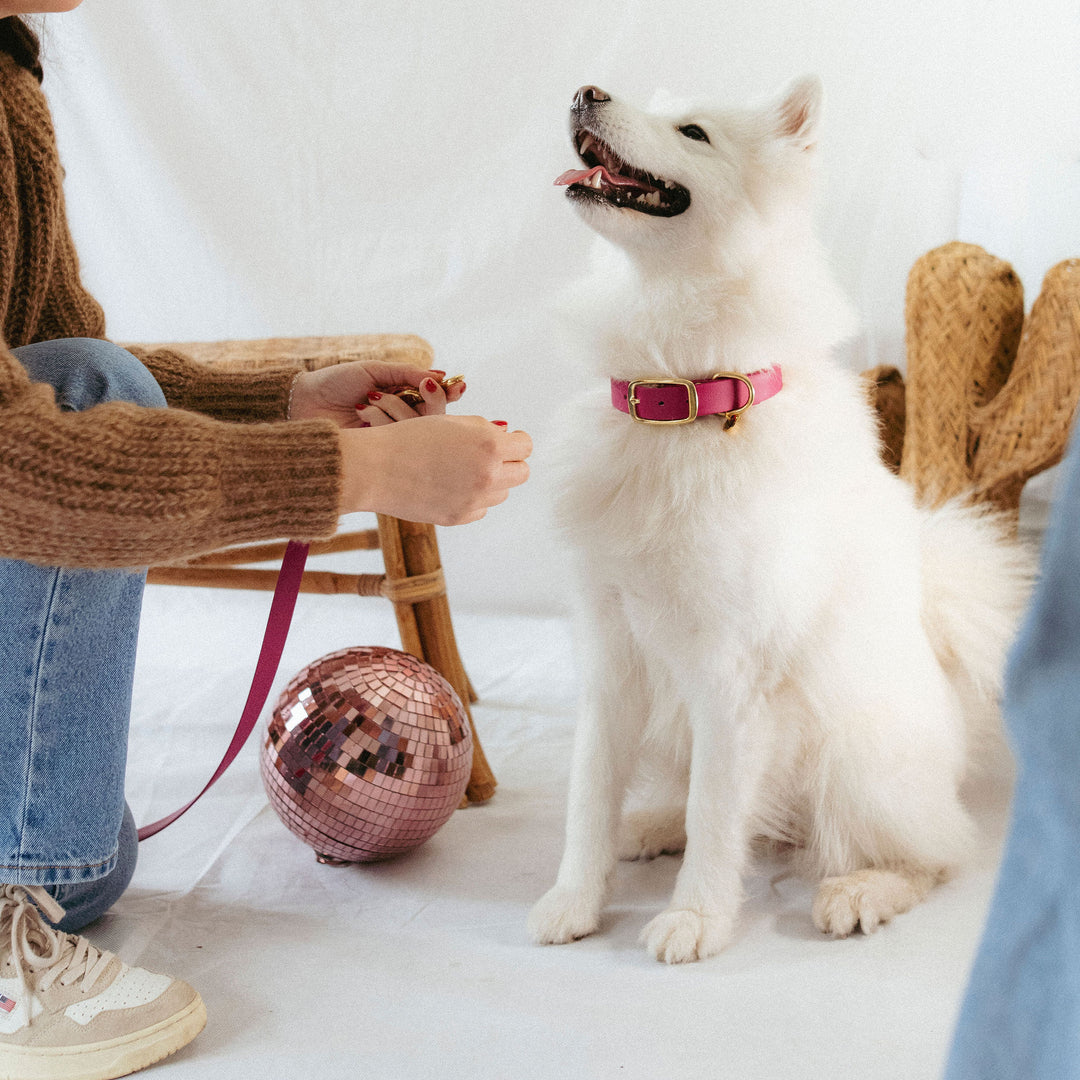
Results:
[105, 1060]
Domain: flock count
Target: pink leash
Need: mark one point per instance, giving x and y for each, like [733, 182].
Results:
[277, 630]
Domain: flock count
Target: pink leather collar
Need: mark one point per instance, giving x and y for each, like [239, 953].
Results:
[680, 401]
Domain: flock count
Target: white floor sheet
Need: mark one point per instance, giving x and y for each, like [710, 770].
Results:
[421, 967]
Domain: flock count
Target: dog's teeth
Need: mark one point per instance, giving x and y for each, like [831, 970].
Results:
[669, 184]
[596, 181]
[653, 198]
[585, 143]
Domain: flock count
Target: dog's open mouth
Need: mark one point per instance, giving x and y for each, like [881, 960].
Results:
[609, 179]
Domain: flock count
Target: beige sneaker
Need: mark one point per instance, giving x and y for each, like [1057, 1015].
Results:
[69, 1011]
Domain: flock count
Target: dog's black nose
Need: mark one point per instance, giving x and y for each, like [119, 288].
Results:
[588, 96]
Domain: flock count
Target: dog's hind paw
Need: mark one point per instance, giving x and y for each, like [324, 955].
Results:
[645, 834]
[679, 936]
[868, 898]
[563, 915]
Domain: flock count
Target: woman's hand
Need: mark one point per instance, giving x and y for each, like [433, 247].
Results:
[447, 470]
[342, 393]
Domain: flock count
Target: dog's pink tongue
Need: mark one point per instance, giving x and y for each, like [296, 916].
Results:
[585, 176]
[577, 176]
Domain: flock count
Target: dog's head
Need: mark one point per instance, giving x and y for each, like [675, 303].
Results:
[699, 182]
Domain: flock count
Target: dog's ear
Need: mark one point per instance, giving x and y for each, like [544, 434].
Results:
[797, 115]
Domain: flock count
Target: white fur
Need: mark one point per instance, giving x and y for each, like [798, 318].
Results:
[773, 629]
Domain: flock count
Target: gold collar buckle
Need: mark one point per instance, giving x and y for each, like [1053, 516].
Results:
[691, 395]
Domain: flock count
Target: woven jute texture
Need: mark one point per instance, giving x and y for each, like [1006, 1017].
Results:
[311, 352]
[990, 397]
[885, 386]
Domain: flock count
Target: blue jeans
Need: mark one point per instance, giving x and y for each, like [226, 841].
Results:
[1021, 1015]
[67, 659]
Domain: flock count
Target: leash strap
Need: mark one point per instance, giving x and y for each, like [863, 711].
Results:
[277, 630]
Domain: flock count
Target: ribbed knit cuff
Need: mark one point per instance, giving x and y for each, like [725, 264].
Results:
[289, 489]
[239, 395]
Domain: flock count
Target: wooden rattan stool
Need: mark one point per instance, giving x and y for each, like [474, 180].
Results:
[990, 397]
[413, 580]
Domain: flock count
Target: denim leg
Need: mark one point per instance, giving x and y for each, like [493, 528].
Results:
[1021, 1014]
[67, 658]
[87, 372]
[89, 900]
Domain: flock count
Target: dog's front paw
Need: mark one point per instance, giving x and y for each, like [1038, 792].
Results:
[644, 834]
[868, 898]
[679, 936]
[563, 915]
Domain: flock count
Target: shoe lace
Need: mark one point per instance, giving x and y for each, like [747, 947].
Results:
[37, 948]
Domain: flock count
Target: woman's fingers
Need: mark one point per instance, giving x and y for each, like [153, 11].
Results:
[384, 409]
[518, 447]
[434, 398]
[436, 395]
[515, 473]
[392, 405]
[370, 416]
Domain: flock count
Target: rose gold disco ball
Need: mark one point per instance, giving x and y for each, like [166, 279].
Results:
[368, 754]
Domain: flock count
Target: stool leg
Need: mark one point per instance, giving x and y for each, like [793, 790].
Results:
[410, 548]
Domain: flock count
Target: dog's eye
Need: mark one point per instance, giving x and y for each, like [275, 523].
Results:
[692, 131]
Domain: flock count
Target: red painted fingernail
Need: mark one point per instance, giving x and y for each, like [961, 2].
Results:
[430, 385]
[361, 407]
[365, 423]
[500, 423]
[374, 396]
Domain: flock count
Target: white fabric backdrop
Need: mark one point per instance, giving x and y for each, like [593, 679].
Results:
[261, 168]
[248, 169]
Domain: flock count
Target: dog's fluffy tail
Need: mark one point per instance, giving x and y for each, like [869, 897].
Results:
[977, 578]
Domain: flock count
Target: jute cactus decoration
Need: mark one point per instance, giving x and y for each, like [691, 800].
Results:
[989, 397]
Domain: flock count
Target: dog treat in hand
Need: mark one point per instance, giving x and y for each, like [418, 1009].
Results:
[411, 395]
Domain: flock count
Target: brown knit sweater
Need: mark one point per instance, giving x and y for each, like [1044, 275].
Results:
[120, 485]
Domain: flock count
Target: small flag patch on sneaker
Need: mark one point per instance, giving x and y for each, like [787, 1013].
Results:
[6, 1003]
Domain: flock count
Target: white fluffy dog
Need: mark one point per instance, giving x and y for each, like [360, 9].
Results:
[776, 634]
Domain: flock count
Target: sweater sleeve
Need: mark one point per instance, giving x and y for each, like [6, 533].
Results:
[122, 486]
[240, 395]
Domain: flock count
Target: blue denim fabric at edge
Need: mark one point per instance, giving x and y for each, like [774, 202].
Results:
[67, 659]
[1021, 1017]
